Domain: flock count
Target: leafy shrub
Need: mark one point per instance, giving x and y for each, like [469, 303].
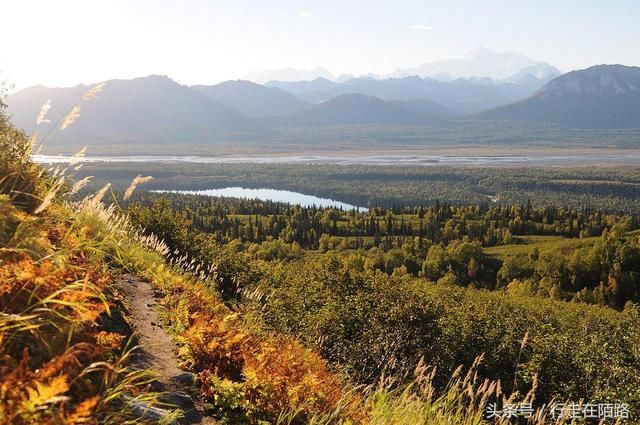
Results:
[370, 323]
[20, 179]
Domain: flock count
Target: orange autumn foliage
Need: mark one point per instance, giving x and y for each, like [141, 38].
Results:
[265, 374]
[50, 331]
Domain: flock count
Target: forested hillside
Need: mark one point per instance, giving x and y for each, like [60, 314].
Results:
[561, 253]
[443, 293]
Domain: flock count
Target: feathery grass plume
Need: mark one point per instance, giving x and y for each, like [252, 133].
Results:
[525, 339]
[70, 118]
[523, 344]
[118, 223]
[55, 171]
[93, 91]
[134, 184]
[77, 157]
[43, 113]
[48, 198]
[45, 202]
[97, 198]
[32, 141]
[80, 184]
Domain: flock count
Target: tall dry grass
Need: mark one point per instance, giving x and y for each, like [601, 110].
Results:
[64, 357]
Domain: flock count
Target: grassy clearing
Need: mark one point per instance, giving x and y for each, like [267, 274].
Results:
[525, 244]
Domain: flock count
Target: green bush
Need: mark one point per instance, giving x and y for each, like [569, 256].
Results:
[371, 323]
[20, 178]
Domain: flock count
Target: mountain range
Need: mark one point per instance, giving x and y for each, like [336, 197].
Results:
[480, 62]
[252, 99]
[156, 109]
[603, 96]
[463, 96]
[359, 109]
[289, 74]
[483, 63]
[149, 109]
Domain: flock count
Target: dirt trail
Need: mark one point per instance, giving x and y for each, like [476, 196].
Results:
[157, 350]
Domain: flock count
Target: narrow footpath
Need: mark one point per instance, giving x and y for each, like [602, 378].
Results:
[156, 352]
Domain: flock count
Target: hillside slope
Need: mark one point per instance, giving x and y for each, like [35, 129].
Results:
[357, 109]
[252, 99]
[603, 96]
[142, 110]
[68, 355]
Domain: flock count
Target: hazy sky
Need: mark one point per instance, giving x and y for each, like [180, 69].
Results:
[65, 42]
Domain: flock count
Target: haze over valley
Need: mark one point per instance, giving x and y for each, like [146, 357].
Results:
[482, 100]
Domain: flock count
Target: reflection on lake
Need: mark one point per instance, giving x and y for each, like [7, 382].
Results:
[268, 195]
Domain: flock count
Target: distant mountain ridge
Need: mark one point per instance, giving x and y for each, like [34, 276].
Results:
[304, 87]
[482, 80]
[462, 96]
[540, 72]
[142, 110]
[156, 109]
[289, 74]
[253, 100]
[480, 62]
[603, 96]
[358, 109]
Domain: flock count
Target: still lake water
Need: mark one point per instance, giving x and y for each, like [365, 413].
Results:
[287, 196]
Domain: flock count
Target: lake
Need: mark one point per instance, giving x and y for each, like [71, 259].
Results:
[264, 194]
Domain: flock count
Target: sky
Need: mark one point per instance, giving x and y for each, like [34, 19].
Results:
[67, 42]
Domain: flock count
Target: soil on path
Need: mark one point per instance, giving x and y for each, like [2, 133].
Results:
[157, 350]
